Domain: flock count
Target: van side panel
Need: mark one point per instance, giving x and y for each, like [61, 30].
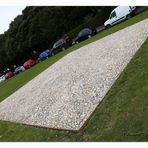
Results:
[121, 12]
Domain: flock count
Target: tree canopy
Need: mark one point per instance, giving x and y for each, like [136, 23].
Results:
[39, 27]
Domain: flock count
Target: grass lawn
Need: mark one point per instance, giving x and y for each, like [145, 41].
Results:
[122, 115]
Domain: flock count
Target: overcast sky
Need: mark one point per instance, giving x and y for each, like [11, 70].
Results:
[7, 14]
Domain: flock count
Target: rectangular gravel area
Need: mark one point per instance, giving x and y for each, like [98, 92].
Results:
[66, 94]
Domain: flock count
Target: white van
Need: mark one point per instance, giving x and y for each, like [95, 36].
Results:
[119, 14]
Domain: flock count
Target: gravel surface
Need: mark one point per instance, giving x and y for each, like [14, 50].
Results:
[65, 95]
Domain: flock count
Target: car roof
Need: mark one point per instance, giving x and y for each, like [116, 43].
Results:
[61, 40]
[18, 67]
[85, 29]
[28, 61]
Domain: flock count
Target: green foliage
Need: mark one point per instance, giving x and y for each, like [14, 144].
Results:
[39, 27]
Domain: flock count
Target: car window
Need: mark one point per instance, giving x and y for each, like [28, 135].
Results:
[80, 34]
[84, 32]
[57, 43]
[113, 14]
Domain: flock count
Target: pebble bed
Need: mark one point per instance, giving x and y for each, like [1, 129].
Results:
[66, 94]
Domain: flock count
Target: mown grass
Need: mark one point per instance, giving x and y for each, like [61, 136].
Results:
[122, 115]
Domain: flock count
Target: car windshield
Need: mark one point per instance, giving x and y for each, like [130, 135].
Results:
[113, 14]
[47, 51]
[43, 53]
[17, 68]
[58, 43]
[84, 32]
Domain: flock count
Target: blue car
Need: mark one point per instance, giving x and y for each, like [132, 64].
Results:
[84, 34]
[44, 55]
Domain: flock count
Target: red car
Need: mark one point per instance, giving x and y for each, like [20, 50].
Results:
[9, 75]
[28, 64]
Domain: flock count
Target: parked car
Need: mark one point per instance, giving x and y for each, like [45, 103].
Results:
[9, 75]
[119, 14]
[84, 34]
[48, 51]
[44, 55]
[61, 44]
[2, 78]
[19, 69]
[28, 64]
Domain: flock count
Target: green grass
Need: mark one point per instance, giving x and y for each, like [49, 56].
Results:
[122, 115]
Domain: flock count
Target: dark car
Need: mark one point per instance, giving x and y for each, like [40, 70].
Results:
[28, 64]
[44, 55]
[9, 75]
[61, 44]
[84, 34]
[19, 69]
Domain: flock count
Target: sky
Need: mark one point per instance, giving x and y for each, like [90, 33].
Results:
[7, 14]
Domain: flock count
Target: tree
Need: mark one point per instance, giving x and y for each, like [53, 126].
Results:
[39, 27]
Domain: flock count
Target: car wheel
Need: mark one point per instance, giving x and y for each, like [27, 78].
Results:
[89, 36]
[128, 16]
[108, 26]
[77, 42]
[63, 48]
